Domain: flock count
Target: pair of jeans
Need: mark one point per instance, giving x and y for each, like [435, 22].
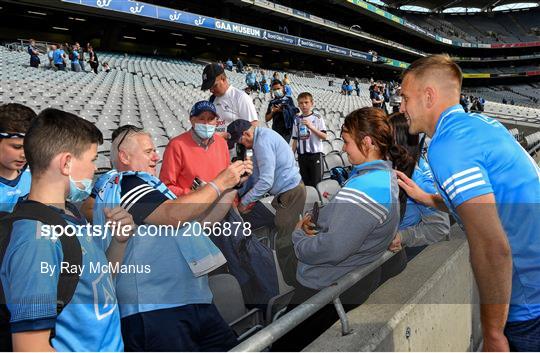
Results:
[188, 328]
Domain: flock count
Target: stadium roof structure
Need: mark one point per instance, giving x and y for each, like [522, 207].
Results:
[441, 5]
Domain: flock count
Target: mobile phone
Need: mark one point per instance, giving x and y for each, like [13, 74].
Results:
[315, 214]
[241, 152]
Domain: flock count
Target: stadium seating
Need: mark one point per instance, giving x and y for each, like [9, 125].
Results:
[157, 93]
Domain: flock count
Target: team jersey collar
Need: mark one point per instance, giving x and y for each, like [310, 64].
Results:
[444, 115]
[378, 163]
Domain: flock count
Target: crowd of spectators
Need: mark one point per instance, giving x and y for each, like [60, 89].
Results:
[392, 198]
[59, 55]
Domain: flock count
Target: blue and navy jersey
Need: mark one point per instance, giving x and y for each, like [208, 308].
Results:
[423, 177]
[13, 190]
[29, 274]
[165, 279]
[473, 155]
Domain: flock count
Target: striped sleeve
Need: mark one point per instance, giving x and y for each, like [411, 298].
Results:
[363, 201]
[139, 198]
[460, 176]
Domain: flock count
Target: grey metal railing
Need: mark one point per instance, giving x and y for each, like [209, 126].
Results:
[289, 321]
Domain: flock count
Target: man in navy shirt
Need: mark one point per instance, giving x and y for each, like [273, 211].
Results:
[34, 54]
[492, 186]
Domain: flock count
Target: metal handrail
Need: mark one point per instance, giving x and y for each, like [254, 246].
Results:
[289, 321]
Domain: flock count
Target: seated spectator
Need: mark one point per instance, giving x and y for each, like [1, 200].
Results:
[359, 223]
[197, 153]
[354, 229]
[281, 111]
[168, 308]
[288, 90]
[59, 58]
[74, 57]
[15, 119]
[60, 148]
[106, 67]
[421, 225]
[357, 86]
[34, 54]
[308, 132]
[274, 172]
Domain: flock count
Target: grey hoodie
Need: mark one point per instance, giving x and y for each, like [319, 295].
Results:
[356, 226]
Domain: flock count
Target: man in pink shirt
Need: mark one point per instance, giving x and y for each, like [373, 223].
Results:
[197, 153]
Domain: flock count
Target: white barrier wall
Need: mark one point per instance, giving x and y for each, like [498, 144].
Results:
[427, 307]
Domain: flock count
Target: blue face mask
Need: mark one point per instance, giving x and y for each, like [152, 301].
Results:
[278, 93]
[204, 131]
[77, 194]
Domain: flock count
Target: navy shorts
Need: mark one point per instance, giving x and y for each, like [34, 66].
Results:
[188, 328]
[523, 336]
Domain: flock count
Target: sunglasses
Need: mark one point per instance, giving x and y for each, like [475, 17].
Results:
[126, 129]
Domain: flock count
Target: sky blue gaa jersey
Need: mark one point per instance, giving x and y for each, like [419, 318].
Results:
[90, 322]
[423, 177]
[473, 155]
[12, 190]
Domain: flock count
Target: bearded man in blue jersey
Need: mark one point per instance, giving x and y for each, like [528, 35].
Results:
[492, 187]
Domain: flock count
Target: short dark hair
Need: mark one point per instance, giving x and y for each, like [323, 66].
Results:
[15, 118]
[276, 82]
[55, 131]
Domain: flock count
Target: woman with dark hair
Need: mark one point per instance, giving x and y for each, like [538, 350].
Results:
[359, 223]
[355, 228]
[420, 225]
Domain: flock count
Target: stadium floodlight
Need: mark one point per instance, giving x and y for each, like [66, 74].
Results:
[177, 34]
[200, 38]
[61, 28]
[244, 45]
[275, 50]
[37, 13]
[148, 30]
[242, 53]
[259, 55]
[130, 37]
[181, 44]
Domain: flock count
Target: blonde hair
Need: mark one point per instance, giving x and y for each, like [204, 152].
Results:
[440, 63]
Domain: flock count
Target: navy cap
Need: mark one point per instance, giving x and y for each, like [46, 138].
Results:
[210, 72]
[202, 106]
[235, 130]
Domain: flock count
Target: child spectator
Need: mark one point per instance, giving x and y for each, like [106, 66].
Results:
[61, 149]
[34, 54]
[15, 119]
[308, 132]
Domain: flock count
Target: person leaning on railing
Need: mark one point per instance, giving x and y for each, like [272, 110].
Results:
[359, 223]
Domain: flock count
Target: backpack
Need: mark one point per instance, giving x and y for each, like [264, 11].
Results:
[339, 174]
[67, 282]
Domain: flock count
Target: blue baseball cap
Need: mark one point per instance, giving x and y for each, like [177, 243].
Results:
[203, 106]
[235, 130]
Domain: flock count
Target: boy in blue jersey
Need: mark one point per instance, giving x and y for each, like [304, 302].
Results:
[492, 186]
[61, 149]
[14, 175]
